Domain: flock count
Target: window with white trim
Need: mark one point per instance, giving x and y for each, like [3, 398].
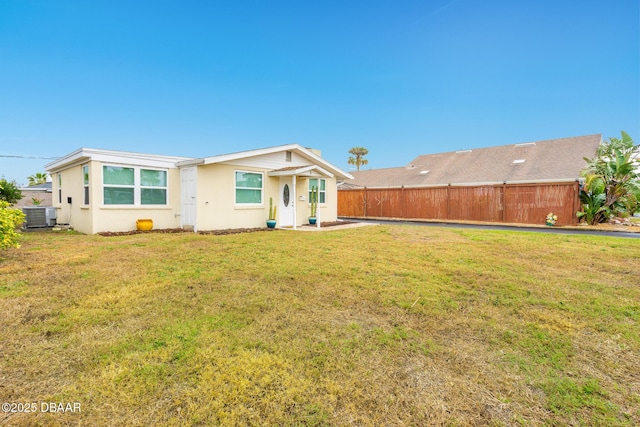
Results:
[153, 187]
[59, 188]
[123, 185]
[248, 187]
[85, 184]
[321, 185]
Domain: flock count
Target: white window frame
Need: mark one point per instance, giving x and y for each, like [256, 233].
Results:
[60, 188]
[235, 187]
[141, 187]
[319, 191]
[137, 186]
[85, 185]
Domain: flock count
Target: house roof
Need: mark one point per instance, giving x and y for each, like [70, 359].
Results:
[553, 160]
[317, 165]
[83, 155]
[309, 155]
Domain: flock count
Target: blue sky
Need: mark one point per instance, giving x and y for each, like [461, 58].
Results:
[401, 78]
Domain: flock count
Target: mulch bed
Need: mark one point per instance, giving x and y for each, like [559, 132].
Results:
[180, 230]
[214, 232]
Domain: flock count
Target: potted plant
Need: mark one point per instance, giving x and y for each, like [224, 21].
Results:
[271, 222]
[313, 199]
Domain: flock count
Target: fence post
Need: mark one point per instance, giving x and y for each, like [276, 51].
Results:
[448, 202]
[502, 200]
[364, 202]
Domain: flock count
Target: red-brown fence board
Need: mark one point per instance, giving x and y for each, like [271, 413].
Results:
[510, 203]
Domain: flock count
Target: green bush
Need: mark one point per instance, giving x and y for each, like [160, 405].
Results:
[10, 220]
[9, 191]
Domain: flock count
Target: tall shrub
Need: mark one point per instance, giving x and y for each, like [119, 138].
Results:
[612, 181]
[10, 220]
[9, 191]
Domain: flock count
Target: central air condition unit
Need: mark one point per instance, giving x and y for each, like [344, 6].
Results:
[52, 216]
[36, 216]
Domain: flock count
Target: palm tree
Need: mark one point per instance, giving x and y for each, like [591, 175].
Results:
[37, 178]
[359, 153]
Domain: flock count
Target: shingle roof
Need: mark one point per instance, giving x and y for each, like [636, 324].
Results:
[550, 160]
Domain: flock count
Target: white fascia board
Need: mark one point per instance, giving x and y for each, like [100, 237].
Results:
[313, 170]
[251, 153]
[190, 162]
[116, 157]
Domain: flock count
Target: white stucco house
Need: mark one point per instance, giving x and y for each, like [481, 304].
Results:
[102, 190]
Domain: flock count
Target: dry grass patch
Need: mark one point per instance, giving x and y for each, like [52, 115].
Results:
[392, 325]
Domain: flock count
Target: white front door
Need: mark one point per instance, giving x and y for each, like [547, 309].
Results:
[286, 204]
[188, 196]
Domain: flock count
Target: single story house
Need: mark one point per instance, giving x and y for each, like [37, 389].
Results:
[102, 190]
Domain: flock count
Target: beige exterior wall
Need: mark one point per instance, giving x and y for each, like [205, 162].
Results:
[72, 213]
[97, 217]
[123, 218]
[216, 205]
[326, 211]
[217, 210]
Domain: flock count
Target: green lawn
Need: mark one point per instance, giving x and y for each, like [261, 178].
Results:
[381, 325]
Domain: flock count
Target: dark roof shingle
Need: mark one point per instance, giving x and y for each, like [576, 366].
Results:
[550, 160]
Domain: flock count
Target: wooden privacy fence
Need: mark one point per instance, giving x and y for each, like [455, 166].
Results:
[509, 203]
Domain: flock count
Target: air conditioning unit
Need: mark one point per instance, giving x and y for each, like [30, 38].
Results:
[52, 216]
[36, 216]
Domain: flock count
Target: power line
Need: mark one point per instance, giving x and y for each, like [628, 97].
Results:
[28, 157]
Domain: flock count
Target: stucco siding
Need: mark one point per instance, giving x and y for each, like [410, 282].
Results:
[123, 218]
[216, 204]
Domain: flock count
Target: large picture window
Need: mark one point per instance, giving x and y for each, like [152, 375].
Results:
[321, 185]
[248, 187]
[134, 186]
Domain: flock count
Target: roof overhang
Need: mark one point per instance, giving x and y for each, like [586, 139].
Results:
[310, 171]
[84, 155]
[309, 155]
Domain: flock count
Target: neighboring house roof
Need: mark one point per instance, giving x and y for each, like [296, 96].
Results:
[38, 187]
[541, 161]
